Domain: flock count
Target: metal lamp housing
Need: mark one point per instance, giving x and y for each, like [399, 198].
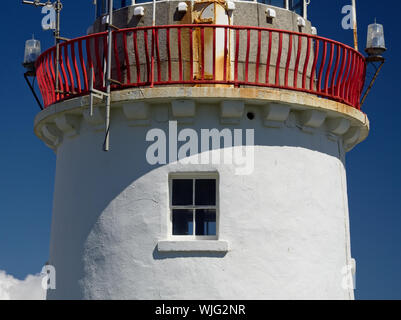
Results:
[375, 44]
[32, 52]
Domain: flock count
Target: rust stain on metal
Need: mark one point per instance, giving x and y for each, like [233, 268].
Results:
[211, 12]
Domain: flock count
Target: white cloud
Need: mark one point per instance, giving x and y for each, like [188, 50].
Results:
[28, 289]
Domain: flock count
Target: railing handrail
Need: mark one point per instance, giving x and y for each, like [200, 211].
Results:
[345, 86]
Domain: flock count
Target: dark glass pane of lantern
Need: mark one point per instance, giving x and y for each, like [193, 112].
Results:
[297, 6]
[205, 192]
[277, 3]
[182, 192]
[205, 222]
[183, 222]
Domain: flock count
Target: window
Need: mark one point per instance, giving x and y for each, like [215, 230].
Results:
[297, 6]
[294, 5]
[102, 5]
[276, 3]
[193, 204]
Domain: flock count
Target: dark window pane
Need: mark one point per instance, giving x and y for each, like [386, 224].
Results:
[205, 222]
[297, 6]
[182, 192]
[205, 192]
[183, 222]
[276, 3]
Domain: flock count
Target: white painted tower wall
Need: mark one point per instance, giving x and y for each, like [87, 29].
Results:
[283, 230]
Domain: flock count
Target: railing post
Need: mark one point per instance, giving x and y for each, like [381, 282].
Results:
[152, 61]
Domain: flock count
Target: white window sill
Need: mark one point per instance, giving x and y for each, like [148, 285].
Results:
[193, 246]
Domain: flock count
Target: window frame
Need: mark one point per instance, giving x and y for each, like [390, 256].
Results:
[193, 176]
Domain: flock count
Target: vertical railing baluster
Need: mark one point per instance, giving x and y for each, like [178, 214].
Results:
[225, 53]
[306, 63]
[322, 64]
[236, 57]
[158, 55]
[146, 45]
[214, 54]
[326, 80]
[268, 58]
[344, 80]
[202, 40]
[168, 53]
[67, 59]
[278, 60]
[297, 61]
[99, 64]
[191, 55]
[179, 53]
[258, 56]
[126, 58]
[66, 87]
[76, 70]
[340, 73]
[248, 48]
[117, 58]
[314, 66]
[137, 64]
[289, 55]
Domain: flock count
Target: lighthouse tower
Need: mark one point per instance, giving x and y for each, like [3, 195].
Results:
[227, 132]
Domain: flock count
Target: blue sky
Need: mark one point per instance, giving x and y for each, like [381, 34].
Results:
[374, 168]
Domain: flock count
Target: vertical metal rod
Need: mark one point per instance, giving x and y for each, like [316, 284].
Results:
[153, 44]
[57, 38]
[108, 76]
[91, 100]
[306, 3]
[154, 13]
[355, 25]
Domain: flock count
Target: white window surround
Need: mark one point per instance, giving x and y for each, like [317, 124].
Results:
[192, 243]
[193, 246]
[195, 176]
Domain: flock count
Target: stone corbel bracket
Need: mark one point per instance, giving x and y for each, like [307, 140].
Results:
[337, 127]
[68, 124]
[352, 137]
[231, 112]
[137, 113]
[51, 135]
[183, 110]
[275, 115]
[312, 119]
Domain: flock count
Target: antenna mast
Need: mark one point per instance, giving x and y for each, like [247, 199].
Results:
[355, 25]
[108, 76]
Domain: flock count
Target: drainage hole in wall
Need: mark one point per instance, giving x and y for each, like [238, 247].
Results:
[250, 115]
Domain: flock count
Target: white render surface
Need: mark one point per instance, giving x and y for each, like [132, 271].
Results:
[285, 225]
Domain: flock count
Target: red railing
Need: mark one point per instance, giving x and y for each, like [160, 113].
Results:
[202, 55]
